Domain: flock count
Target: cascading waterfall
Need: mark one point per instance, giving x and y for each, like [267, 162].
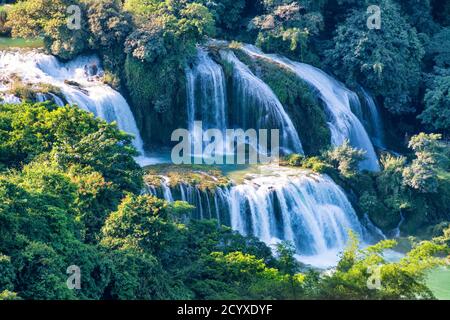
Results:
[209, 204]
[374, 231]
[307, 209]
[256, 106]
[280, 204]
[79, 82]
[343, 123]
[374, 123]
[206, 94]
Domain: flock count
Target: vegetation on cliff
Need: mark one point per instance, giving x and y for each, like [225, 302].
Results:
[71, 194]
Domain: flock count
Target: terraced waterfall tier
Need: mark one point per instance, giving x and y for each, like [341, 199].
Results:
[343, 123]
[276, 204]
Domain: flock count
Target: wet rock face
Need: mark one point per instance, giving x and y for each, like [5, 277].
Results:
[91, 69]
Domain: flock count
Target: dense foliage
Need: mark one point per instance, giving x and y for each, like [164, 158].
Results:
[71, 196]
[387, 60]
[412, 190]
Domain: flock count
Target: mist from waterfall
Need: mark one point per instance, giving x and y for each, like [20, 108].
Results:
[79, 82]
[343, 123]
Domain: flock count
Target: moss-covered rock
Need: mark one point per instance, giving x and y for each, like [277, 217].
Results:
[202, 177]
[28, 92]
[23, 91]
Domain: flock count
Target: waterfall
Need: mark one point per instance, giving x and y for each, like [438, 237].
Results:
[375, 232]
[371, 116]
[206, 94]
[342, 121]
[310, 211]
[256, 106]
[79, 82]
[397, 232]
[280, 204]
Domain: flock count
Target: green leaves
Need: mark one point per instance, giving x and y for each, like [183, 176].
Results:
[387, 61]
[108, 24]
[48, 19]
[346, 159]
[398, 280]
[422, 174]
[285, 27]
[437, 103]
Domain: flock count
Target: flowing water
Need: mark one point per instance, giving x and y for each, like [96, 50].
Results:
[79, 82]
[253, 105]
[438, 280]
[206, 93]
[256, 106]
[371, 116]
[279, 204]
[343, 122]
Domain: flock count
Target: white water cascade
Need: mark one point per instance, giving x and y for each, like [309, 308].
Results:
[280, 204]
[253, 105]
[206, 94]
[374, 123]
[79, 82]
[337, 98]
[256, 106]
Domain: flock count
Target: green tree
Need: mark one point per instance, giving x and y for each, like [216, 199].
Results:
[345, 159]
[137, 276]
[437, 103]
[285, 27]
[228, 14]
[4, 30]
[41, 274]
[142, 223]
[8, 295]
[109, 26]
[399, 280]
[141, 7]
[289, 265]
[392, 194]
[250, 277]
[422, 174]
[419, 15]
[48, 19]
[7, 273]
